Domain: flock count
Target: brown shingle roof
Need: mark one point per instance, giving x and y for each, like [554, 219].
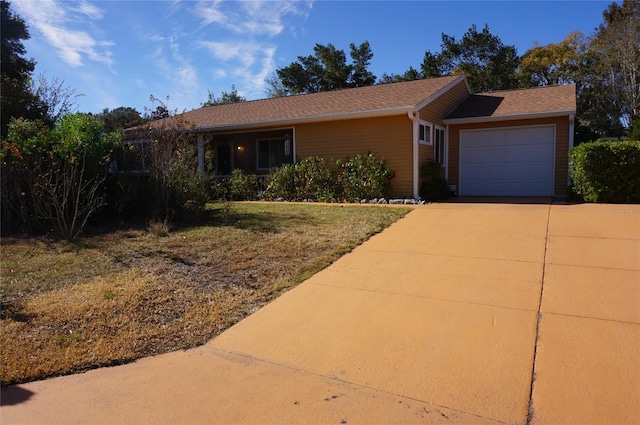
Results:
[378, 98]
[512, 103]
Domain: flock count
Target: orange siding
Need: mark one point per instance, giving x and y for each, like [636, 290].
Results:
[387, 137]
[435, 112]
[438, 109]
[562, 146]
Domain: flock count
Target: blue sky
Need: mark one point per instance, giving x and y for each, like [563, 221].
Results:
[118, 53]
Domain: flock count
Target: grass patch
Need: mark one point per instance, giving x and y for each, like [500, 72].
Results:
[113, 297]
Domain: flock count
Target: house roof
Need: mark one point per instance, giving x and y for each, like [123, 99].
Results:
[515, 104]
[377, 100]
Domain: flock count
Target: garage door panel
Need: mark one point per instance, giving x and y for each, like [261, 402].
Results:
[507, 162]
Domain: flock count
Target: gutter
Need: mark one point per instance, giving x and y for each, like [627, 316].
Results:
[528, 116]
[413, 116]
[310, 119]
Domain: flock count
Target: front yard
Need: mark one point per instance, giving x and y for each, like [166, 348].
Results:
[116, 296]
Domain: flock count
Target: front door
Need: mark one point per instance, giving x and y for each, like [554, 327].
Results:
[223, 160]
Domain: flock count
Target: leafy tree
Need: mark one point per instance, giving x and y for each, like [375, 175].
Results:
[616, 53]
[225, 98]
[55, 99]
[432, 65]
[409, 75]
[361, 57]
[325, 70]
[57, 176]
[17, 99]
[553, 64]
[487, 62]
[120, 118]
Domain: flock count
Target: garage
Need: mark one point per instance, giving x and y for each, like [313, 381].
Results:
[507, 161]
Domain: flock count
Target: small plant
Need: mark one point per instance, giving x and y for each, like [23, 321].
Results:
[434, 187]
[109, 294]
[65, 340]
[161, 229]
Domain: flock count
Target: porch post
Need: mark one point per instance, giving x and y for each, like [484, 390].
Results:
[201, 155]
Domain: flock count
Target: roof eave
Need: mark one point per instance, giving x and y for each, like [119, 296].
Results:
[400, 110]
[512, 117]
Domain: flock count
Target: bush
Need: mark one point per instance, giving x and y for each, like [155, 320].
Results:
[606, 171]
[314, 180]
[364, 177]
[243, 187]
[281, 183]
[434, 187]
[53, 179]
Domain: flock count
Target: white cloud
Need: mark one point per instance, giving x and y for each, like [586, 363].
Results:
[89, 10]
[250, 61]
[219, 73]
[54, 18]
[259, 17]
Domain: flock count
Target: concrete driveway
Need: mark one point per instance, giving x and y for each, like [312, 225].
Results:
[458, 313]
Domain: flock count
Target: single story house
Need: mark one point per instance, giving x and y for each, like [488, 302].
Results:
[504, 143]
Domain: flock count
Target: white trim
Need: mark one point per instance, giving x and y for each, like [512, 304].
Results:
[425, 124]
[472, 130]
[290, 122]
[413, 116]
[533, 115]
[257, 130]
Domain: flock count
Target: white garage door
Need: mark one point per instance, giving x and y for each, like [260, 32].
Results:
[514, 161]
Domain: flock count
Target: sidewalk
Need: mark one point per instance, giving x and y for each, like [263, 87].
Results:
[434, 320]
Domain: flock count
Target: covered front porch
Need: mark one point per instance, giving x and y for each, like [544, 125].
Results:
[253, 152]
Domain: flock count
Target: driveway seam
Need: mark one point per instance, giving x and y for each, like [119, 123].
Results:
[535, 346]
[355, 384]
[420, 297]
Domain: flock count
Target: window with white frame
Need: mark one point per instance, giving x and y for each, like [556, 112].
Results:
[273, 153]
[424, 132]
[438, 149]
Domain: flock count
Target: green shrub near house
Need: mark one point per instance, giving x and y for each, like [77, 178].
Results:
[434, 187]
[362, 177]
[606, 171]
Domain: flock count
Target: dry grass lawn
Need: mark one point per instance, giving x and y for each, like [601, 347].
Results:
[116, 296]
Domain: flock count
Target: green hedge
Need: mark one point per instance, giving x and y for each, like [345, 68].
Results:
[606, 171]
[361, 177]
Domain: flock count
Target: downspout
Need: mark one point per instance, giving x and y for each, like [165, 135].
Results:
[571, 136]
[413, 116]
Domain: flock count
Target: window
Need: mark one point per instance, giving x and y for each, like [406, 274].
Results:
[439, 145]
[273, 153]
[424, 132]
